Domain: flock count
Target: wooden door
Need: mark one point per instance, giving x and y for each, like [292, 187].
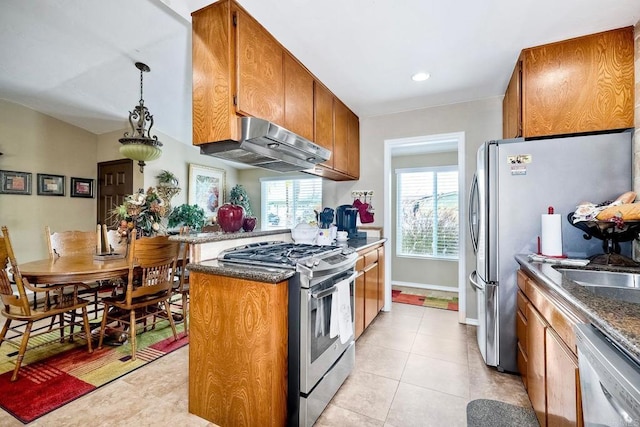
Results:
[563, 385]
[340, 136]
[115, 182]
[359, 301]
[370, 293]
[259, 71]
[353, 149]
[323, 123]
[579, 85]
[536, 369]
[512, 105]
[298, 98]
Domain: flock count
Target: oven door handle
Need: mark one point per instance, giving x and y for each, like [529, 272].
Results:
[331, 290]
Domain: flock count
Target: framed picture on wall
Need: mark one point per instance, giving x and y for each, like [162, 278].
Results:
[12, 182]
[82, 187]
[206, 188]
[50, 185]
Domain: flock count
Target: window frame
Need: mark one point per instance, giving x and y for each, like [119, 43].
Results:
[264, 223]
[398, 215]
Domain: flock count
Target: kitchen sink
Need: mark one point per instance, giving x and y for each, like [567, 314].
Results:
[610, 284]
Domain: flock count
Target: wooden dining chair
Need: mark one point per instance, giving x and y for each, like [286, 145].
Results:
[75, 242]
[17, 307]
[152, 263]
[70, 243]
[113, 242]
[181, 286]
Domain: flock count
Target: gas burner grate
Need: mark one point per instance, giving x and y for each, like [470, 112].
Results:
[277, 254]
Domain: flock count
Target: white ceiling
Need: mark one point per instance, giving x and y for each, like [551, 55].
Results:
[73, 59]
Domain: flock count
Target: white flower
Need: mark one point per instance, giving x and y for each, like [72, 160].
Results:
[155, 226]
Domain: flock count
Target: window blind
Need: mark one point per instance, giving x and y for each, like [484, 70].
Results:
[427, 212]
[287, 202]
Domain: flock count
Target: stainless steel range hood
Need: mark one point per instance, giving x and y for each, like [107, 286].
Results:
[267, 145]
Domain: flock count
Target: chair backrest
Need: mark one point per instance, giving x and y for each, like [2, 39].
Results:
[64, 243]
[182, 273]
[113, 241]
[152, 260]
[7, 258]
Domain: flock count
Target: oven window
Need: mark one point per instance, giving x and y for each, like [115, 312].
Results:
[320, 325]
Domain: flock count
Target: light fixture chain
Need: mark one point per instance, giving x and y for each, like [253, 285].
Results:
[141, 97]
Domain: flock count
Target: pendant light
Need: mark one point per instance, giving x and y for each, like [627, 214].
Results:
[139, 144]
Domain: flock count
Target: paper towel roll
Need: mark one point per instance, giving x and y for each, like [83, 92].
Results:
[551, 236]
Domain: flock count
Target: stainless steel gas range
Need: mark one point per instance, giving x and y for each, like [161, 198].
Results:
[321, 319]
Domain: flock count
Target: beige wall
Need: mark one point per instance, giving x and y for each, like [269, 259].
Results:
[479, 120]
[416, 270]
[36, 143]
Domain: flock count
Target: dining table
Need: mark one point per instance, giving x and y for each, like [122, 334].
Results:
[73, 269]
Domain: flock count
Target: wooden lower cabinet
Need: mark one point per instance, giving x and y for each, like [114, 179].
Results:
[381, 280]
[547, 357]
[563, 384]
[536, 374]
[370, 287]
[370, 293]
[359, 308]
[238, 351]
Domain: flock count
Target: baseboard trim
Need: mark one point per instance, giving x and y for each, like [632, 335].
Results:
[426, 286]
[472, 322]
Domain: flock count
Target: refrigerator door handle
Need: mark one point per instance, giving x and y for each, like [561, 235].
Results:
[473, 278]
[473, 212]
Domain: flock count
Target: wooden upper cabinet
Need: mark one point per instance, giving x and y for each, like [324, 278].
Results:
[214, 116]
[584, 84]
[298, 98]
[323, 120]
[239, 69]
[340, 136]
[260, 91]
[512, 105]
[353, 146]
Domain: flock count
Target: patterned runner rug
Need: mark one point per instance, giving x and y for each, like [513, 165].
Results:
[425, 297]
[55, 374]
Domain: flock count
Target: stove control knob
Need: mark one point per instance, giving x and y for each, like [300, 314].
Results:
[309, 262]
[316, 262]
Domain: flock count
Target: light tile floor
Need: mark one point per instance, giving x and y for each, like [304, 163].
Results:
[415, 366]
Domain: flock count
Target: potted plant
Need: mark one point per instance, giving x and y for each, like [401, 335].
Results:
[192, 216]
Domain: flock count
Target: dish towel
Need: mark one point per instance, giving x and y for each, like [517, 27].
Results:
[341, 313]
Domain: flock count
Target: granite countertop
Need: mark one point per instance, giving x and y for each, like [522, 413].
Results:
[268, 274]
[619, 320]
[253, 273]
[220, 236]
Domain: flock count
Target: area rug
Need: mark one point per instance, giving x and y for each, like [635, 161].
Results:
[425, 297]
[492, 413]
[56, 374]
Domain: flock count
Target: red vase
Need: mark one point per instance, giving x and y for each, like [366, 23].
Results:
[230, 217]
[249, 223]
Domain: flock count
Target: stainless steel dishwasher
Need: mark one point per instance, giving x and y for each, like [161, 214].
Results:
[609, 381]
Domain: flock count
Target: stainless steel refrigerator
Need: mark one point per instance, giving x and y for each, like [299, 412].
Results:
[515, 183]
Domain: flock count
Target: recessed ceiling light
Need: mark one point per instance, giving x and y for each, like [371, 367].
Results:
[420, 77]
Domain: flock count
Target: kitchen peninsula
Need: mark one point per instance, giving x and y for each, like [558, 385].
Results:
[243, 322]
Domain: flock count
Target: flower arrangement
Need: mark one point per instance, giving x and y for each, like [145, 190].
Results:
[142, 211]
